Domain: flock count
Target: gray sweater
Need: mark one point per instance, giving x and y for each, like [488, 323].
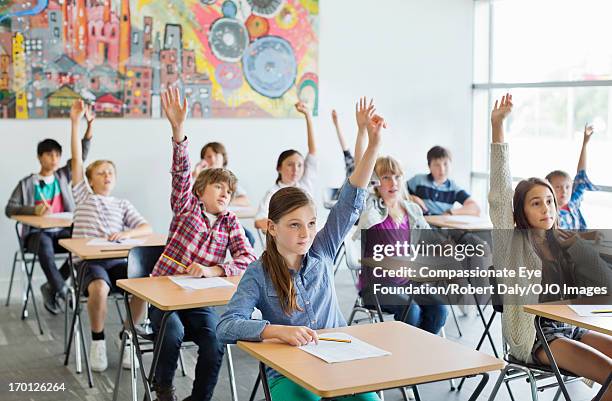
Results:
[22, 198]
[512, 248]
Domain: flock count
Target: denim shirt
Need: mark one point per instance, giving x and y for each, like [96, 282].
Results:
[314, 283]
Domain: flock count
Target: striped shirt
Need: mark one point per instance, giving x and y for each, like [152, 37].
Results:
[98, 216]
[194, 237]
[437, 198]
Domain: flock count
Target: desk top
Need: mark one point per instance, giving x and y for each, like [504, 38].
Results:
[79, 247]
[470, 223]
[412, 361]
[559, 311]
[42, 222]
[166, 295]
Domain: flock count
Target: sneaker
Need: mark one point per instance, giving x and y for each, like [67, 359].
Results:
[50, 299]
[164, 393]
[410, 393]
[97, 356]
[126, 362]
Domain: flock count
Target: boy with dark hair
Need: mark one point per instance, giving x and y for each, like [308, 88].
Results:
[435, 192]
[45, 192]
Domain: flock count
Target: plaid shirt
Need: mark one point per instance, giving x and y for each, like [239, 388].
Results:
[191, 237]
[570, 216]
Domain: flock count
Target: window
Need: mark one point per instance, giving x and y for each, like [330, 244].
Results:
[560, 77]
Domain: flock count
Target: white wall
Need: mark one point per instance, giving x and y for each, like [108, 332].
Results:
[413, 56]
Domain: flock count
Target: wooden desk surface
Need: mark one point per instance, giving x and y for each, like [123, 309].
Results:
[166, 295]
[559, 311]
[42, 222]
[79, 247]
[416, 357]
[469, 223]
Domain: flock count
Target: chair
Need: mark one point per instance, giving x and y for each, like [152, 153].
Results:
[516, 369]
[141, 261]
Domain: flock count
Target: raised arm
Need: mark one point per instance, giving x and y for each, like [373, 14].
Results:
[582, 160]
[302, 108]
[500, 192]
[364, 168]
[343, 144]
[77, 111]
[363, 115]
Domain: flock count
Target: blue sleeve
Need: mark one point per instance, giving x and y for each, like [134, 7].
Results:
[412, 185]
[461, 196]
[236, 323]
[581, 184]
[341, 218]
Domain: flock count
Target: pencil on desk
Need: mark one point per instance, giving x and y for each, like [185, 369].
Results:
[338, 340]
[175, 261]
[602, 311]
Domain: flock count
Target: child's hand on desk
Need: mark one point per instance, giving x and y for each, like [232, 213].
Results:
[41, 209]
[116, 237]
[292, 335]
[198, 270]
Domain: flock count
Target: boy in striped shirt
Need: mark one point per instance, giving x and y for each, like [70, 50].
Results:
[100, 215]
[201, 233]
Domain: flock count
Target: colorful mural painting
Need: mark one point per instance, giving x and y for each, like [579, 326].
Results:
[231, 58]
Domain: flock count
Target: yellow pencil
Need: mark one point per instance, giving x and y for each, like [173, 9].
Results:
[338, 340]
[175, 261]
[602, 311]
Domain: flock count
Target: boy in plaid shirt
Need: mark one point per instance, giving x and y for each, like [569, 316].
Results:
[201, 232]
[569, 196]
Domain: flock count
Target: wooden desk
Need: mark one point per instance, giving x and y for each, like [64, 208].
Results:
[166, 295]
[561, 312]
[79, 247]
[42, 222]
[244, 212]
[469, 223]
[411, 362]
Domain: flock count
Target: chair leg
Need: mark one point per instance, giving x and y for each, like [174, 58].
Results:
[255, 388]
[182, 363]
[500, 380]
[8, 296]
[230, 370]
[456, 321]
[119, 369]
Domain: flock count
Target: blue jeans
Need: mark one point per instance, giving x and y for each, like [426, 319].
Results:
[430, 318]
[197, 325]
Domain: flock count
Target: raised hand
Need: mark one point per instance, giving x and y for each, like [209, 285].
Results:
[89, 114]
[501, 109]
[364, 112]
[77, 111]
[588, 132]
[302, 108]
[175, 111]
[334, 117]
[377, 123]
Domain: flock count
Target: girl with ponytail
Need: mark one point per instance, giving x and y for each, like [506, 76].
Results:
[292, 283]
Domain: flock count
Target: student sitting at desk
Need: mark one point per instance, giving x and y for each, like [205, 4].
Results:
[44, 193]
[525, 221]
[201, 233]
[292, 283]
[293, 170]
[98, 214]
[435, 192]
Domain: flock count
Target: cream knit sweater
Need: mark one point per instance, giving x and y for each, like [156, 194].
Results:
[512, 248]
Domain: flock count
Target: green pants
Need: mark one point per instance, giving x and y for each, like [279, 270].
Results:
[283, 389]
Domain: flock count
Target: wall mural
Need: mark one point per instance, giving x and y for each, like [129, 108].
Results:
[231, 58]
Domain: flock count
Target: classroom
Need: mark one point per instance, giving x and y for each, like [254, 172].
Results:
[289, 200]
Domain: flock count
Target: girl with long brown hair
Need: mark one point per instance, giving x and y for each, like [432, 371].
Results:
[525, 222]
[292, 283]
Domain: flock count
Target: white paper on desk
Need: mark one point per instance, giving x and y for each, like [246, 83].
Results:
[121, 243]
[62, 215]
[198, 283]
[587, 310]
[332, 351]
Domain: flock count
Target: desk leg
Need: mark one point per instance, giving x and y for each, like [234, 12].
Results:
[29, 290]
[77, 311]
[136, 345]
[157, 345]
[603, 388]
[480, 387]
[553, 363]
[230, 369]
[264, 381]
